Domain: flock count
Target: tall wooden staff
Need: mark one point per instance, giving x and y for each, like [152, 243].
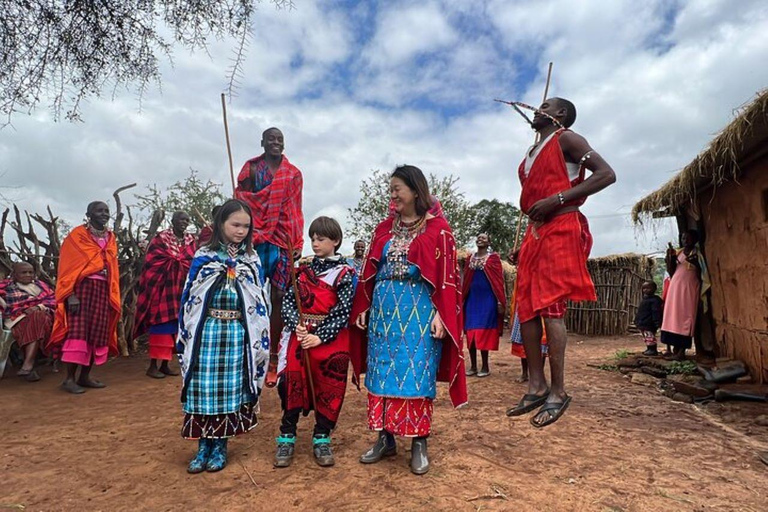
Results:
[229, 148]
[520, 218]
[297, 297]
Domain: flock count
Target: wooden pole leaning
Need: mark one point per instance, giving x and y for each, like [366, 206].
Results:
[304, 352]
[229, 147]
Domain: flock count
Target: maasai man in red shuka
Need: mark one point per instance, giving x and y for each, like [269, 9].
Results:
[314, 360]
[87, 298]
[408, 319]
[161, 283]
[484, 303]
[271, 186]
[27, 304]
[552, 262]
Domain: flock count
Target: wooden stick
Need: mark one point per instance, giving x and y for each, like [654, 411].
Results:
[229, 148]
[297, 297]
[546, 92]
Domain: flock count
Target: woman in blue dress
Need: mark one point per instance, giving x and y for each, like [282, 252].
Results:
[408, 320]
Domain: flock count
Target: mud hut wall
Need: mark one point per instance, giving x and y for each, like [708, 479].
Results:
[735, 217]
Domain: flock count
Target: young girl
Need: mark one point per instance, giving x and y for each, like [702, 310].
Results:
[326, 290]
[223, 342]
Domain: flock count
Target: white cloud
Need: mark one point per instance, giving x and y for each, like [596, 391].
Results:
[650, 92]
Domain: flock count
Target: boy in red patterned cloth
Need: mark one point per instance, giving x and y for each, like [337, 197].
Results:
[552, 265]
[271, 186]
[161, 283]
[28, 305]
[325, 289]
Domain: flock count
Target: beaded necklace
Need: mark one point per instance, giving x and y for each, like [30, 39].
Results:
[402, 235]
[478, 262]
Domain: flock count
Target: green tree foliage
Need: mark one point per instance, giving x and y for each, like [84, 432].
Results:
[373, 206]
[499, 220]
[192, 195]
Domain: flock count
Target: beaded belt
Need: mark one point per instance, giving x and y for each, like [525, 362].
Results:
[225, 314]
[314, 319]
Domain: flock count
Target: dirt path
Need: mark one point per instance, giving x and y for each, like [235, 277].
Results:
[619, 448]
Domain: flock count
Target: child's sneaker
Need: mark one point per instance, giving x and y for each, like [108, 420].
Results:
[321, 447]
[284, 454]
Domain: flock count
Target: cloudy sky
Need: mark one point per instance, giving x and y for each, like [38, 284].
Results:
[365, 85]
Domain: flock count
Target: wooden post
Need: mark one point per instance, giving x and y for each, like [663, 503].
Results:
[229, 147]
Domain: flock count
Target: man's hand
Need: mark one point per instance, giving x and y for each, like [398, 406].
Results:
[310, 341]
[301, 331]
[73, 304]
[543, 208]
[513, 256]
[296, 254]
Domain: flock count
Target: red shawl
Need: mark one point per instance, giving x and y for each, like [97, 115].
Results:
[17, 301]
[495, 274]
[276, 209]
[434, 253]
[166, 266]
[552, 260]
[80, 257]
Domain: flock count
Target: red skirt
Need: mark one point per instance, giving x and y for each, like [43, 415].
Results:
[34, 327]
[553, 266]
[329, 364]
[483, 339]
[407, 417]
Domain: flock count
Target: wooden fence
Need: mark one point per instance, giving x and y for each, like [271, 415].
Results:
[618, 279]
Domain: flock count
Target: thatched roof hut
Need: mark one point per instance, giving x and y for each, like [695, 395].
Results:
[723, 193]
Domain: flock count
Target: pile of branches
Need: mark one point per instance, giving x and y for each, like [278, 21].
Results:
[42, 252]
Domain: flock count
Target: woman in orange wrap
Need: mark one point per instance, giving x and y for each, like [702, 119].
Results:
[87, 299]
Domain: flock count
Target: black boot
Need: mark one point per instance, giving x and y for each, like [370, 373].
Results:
[419, 459]
[383, 447]
[651, 350]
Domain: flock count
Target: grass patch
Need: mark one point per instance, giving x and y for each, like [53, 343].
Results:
[682, 367]
[622, 354]
[608, 367]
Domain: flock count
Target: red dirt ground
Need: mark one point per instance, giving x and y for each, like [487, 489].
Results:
[620, 447]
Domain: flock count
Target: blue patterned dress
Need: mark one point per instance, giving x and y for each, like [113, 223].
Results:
[403, 357]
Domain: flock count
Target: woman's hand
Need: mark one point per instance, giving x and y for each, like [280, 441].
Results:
[360, 322]
[437, 328]
[310, 341]
[73, 304]
[301, 331]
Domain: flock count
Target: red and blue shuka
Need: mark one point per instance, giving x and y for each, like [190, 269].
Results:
[552, 263]
[484, 297]
[326, 293]
[28, 327]
[161, 284]
[410, 274]
[278, 221]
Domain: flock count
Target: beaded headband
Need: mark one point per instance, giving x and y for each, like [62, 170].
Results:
[517, 104]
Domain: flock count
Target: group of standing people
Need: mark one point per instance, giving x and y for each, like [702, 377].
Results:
[242, 317]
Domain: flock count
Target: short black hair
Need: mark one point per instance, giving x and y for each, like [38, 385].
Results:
[226, 210]
[414, 179]
[327, 227]
[264, 133]
[92, 205]
[178, 214]
[570, 114]
[653, 284]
